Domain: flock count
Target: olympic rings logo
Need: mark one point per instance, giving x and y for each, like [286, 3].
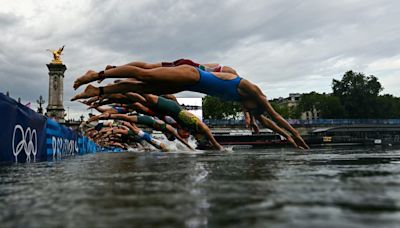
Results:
[27, 143]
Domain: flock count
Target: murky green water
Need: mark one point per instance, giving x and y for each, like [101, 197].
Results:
[341, 187]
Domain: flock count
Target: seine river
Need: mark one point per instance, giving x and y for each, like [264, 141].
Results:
[324, 187]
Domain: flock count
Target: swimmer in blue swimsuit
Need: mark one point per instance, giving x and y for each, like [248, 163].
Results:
[215, 86]
[169, 80]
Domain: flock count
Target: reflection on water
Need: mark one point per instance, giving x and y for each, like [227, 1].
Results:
[341, 187]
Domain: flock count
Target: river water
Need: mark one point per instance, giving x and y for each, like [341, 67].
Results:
[325, 187]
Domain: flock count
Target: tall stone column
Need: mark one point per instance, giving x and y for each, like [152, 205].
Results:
[55, 108]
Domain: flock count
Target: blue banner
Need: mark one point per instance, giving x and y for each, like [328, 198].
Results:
[88, 146]
[22, 132]
[60, 141]
[63, 142]
[28, 136]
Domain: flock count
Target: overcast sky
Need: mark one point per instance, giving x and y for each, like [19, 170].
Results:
[285, 46]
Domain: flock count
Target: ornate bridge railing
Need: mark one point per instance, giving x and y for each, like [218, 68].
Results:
[316, 122]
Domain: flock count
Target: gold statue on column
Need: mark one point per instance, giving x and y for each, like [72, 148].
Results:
[56, 55]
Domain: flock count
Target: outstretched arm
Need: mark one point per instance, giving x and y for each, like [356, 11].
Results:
[171, 97]
[207, 132]
[120, 131]
[249, 120]
[254, 125]
[135, 97]
[140, 108]
[247, 116]
[157, 144]
[175, 133]
[255, 93]
[271, 125]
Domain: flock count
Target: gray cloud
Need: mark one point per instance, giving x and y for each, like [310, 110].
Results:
[8, 20]
[283, 46]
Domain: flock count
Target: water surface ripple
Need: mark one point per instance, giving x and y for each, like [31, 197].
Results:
[329, 187]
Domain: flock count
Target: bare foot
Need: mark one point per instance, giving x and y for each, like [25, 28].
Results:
[92, 106]
[93, 118]
[92, 100]
[104, 116]
[90, 76]
[109, 67]
[90, 91]
[83, 102]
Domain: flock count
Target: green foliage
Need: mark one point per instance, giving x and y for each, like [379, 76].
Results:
[355, 96]
[328, 106]
[389, 106]
[331, 108]
[215, 108]
[284, 110]
[309, 101]
[358, 94]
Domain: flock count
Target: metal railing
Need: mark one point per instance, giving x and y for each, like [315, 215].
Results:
[233, 122]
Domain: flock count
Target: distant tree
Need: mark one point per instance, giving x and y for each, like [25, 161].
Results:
[328, 106]
[358, 94]
[389, 106]
[284, 110]
[309, 101]
[215, 108]
[331, 108]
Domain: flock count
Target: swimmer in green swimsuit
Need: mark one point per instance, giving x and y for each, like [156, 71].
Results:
[186, 120]
[140, 108]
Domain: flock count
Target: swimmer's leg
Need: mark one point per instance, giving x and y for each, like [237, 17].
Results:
[179, 76]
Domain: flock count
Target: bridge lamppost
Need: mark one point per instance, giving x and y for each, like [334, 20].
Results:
[40, 102]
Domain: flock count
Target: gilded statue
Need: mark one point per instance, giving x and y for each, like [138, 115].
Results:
[56, 55]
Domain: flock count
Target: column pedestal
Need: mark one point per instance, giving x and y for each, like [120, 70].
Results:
[55, 108]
